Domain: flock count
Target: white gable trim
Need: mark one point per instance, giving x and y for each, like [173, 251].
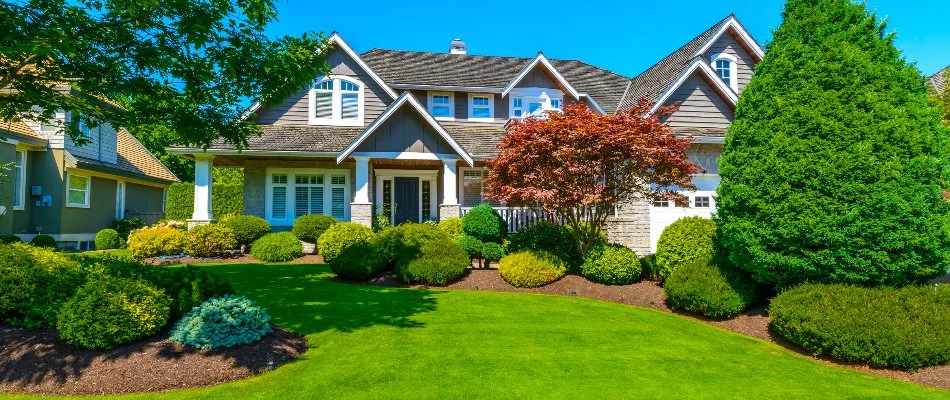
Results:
[406, 97]
[336, 39]
[597, 107]
[701, 65]
[540, 58]
[733, 24]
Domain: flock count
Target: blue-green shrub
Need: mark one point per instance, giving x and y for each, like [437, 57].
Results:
[222, 322]
[277, 247]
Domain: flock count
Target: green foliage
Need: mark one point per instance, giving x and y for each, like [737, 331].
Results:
[359, 262]
[8, 239]
[226, 200]
[340, 236]
[44, 241]
[277, 247]
[221, 323]
[703, 287]
[381, 222]
[310, 227]
[885, 327]
[452, 226]
[492, 251]
[612, 264]
[472, 246]
[126, 226]
[531, 268]
[247, 228]
[484, 223]
[228, 176]
[34, 284]
[157, 241]
[546, 236]
[406, 239]
[651, 270]
[684, 241]
[108, 239]
[437, 263]
[209, 240]
[835, 165]
[112, 311]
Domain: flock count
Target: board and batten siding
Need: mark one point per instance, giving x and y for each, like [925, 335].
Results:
[537, 77]
[745, 64]
[295, 109]
[700, 106]
[405, 131]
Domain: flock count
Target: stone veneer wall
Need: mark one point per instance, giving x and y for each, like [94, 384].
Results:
[631, 227]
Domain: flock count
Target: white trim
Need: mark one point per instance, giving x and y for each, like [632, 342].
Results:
[540, 58]
[743, 34]
[406, 155]
[447, 88]
[290, 200]
[424, 175]
[21, 190]
[701, 65]
[86, 202]
[733, 68]
[406, 97]
[249, 152]
[593, 102]
[336, 102]
[543, 95]
[335, 38]
[451, 96]
[120, 196]
[491, 107]
[461, 183]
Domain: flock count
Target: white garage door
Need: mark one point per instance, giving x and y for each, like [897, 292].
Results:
[702, 203]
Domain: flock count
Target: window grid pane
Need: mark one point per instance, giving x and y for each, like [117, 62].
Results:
[481, 112]
[350, 106]
[441, 111]
[387, 197]
[323, 107]
[338, 203]
[426, 200]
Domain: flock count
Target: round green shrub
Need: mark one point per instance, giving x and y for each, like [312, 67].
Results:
[247, 228]
[222, 322]
[157, 241]
[359, 262]
[437, 263]
[108, 239]
[340, 236]
[705, 288]
[684, 241]
[651, 271]
[484, 223]
[612, 264]
[406, 239]
[492, 251]
[546, 236]
[472, 246]
[277, 247]
[310, 227]
[885, 327]
[531, 268]
[452, 226]
[209, 240]
[44, 241]
[34, 284]
[109, 312]
[8, 239]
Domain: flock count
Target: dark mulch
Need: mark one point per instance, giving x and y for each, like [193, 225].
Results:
[37, 362]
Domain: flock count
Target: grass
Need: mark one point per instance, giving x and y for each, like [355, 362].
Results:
[115, 252]
[372, 342]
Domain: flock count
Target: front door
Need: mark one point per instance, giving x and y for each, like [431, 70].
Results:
[406, 199]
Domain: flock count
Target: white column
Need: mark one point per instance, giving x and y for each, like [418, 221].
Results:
[203, 164]
[362, 180]
[450, 182]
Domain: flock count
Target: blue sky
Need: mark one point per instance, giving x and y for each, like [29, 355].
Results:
[624, 37]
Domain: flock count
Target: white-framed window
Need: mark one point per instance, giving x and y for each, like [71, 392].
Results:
[725, 66]
[77, 190]
[120, 200]
[473, 187]
[517, 107]
[19, 180]
[481, 106]
[164, 198]
[292, 193]
[534, 102]
[442, 105]
[701, 202]
[336, 100]
[661, 203]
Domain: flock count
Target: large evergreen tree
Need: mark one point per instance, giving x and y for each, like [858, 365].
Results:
[835, 166]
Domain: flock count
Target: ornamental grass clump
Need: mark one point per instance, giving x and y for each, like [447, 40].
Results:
[222, 322]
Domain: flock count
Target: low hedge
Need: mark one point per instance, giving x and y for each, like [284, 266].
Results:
[437, 263]
[246, 228]
[684, 241]
[340, 236]
[715, 290]
[359, 262]
[209, 240]
[112, 311]
[528, 269]
[108, 239]
[221, 323]
[8, 238]
[612, 264]
[310, 227]
[904, 328]
[406, 239]
[277, 247]
[226, 200]
[157, 241]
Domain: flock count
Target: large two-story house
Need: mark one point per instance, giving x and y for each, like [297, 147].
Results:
[406, 134]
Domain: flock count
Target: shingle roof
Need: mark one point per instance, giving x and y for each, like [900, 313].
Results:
[443, 69]
[939, 80]
[298, 138]
[479, 139]
[135, 158]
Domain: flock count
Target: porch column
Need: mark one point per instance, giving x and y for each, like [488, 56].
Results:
[202, 212]
[450, 206]
[361, 210]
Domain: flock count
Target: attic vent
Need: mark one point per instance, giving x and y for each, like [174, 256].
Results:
[457, 47]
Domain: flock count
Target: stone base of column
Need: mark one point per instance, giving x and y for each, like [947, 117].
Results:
[362, 213]
[447, 211]
[195, 222]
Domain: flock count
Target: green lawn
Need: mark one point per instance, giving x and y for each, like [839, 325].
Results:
[115, 252]
[372, 342]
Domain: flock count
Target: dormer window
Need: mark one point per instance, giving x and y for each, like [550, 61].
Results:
[336, 100]
[534, 102]
[725, 66]
[481, 106]
[442, 105]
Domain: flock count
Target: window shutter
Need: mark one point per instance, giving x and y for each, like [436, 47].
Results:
[279, 203]
[323, 105]
[338, 203]
[351, 106]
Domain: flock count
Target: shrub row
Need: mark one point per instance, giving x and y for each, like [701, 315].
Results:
[226, 200]
[208, 240]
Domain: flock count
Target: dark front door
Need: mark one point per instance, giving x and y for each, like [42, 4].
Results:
[406, 196]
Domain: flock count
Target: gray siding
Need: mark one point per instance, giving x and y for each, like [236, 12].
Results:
[706, 156]
[461, 103]
[700, 106]
[405, 130]
[538, 77]
[102, 144]
[745, 64]
[7, 156]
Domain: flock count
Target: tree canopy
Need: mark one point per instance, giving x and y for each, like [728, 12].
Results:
[942, 98]
[835, 165]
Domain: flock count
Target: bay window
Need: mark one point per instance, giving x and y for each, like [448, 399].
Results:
[292, 193]
[336, 100]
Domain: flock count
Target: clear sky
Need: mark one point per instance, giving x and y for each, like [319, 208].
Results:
[624, 37]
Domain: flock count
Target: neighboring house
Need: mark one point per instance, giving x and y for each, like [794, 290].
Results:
[939, 80]
[71, 192]
[407, 133]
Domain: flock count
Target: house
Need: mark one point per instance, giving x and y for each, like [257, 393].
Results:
[406, 134]
[939, 80]
[70, 192]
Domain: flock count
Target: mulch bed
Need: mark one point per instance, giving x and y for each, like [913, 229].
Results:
[37, 362]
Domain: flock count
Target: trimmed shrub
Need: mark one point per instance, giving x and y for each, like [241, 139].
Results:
[452, 227]
[359, 262]
[125, 226]
[44, 241]
[651, 271]
[108, 239]
[612, 264]
[340, 236]
[277, 247]
[34, 284]
[405, 240]
[904, 328]
[484, 223]
[532, 268]
[157, 241]
[310, 227]
[222, 322]
[8, 239]
[437, 263]
[684, 241]
[247, 228]
[381, 222]
[549, 237]
[112, 311]
[226, 200]
[705, 288]
[492, 252]
[209, 240]
[472, 246]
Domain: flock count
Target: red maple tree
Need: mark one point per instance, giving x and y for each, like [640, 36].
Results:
[578, 164]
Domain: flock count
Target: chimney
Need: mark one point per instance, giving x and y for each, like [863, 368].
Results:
[457, 47]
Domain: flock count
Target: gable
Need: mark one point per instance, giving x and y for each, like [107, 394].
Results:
[537, 77]
[728, 43]
[701, 106]
[405, 131]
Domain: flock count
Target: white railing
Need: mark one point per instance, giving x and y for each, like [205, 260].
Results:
[517, 217]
